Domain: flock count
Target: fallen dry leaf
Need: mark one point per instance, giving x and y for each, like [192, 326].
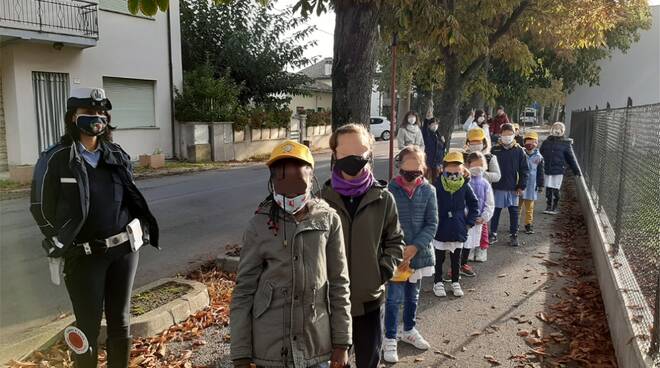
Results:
[523, 333]
[491, 359]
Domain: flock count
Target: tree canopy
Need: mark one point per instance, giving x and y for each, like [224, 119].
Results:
[253, 44]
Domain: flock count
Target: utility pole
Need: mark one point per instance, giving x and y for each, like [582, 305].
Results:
[393, 103]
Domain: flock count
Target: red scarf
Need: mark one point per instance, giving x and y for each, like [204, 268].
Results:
[406, 186]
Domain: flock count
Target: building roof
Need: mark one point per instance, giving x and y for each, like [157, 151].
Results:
[316, 86]
[317, 71]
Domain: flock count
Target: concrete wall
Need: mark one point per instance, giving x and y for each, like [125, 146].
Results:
[630, 351]
[634, 74]
[313, 102]
[319, 139]
[128, 47]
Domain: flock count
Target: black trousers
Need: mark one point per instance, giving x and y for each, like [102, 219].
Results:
[97, 282]
[454, 257]
[368, 338]
[552, 197]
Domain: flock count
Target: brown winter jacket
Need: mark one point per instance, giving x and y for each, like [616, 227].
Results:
[291, 302]
[374, 244]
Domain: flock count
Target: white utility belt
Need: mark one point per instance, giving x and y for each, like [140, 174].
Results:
[133, 235]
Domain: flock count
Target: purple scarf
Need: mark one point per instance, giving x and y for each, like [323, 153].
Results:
[353, 187]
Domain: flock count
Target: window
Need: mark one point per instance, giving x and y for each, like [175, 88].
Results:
[51, 91]
[376, 121]
[132, 102]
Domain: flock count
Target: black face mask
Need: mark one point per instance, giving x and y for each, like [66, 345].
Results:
[351, 165]
[410, 176]
[92, 125]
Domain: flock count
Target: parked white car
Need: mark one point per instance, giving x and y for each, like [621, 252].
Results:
[380, 128]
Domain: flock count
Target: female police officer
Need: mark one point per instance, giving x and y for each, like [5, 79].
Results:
[95, 219]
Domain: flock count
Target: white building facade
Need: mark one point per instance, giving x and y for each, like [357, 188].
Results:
[634, 74]
[46, 50]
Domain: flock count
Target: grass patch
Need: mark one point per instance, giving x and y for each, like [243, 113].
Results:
[148, 300]
[6, 185]
[179, 166]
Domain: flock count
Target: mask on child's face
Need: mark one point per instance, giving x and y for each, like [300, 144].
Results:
[481, 119]
[476, 171]
[291, 205]
[506, 139]
[476, 147]
[412, 120]
[433, 127]
[452, 176]
[530, 146]
[410, 176]
[352, 165]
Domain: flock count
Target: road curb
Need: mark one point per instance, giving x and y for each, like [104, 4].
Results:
[227, 263]
[165, 316]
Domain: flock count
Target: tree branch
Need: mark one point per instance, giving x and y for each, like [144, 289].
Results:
[493, 38]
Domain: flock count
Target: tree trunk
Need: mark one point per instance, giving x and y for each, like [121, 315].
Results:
[450, 98]
[541, 120]
[353, 62]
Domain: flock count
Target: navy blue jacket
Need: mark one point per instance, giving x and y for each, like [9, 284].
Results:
[557, 152]
[454, 228]
[434, 146]
[513, 166]
[418, 217]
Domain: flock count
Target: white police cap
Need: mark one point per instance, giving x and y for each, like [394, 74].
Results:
[88, 97]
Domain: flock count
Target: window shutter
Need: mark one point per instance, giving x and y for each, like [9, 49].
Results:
[132, 102]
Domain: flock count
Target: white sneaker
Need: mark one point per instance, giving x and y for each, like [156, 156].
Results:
[472, 255]
[480, 255]
[456, 289]
[439, 289]
[389, 351]
[414, 338]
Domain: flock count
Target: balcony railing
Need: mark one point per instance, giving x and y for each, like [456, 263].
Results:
[61, 17]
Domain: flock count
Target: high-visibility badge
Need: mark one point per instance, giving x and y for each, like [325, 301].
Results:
[76, 340]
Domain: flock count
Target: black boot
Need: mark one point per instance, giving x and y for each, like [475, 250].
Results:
[514, 240]
[88, 359]
[555, 204]
[529, 229]
[119, 352]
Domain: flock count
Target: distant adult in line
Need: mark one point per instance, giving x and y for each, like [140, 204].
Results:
[477, 119]
[95, 220]
[434, 147]
[410, 133]
[496, 123]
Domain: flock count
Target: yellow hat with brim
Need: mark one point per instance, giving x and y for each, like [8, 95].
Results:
[453, 156]
[476, 134]
[532, 135]
[291, 149]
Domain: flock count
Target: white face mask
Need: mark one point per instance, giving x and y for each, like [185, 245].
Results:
[556, 132]
[476, 147]
[476, 171]
[412, 120]
[433, 127]
[506, 139]
[481, 119]
[291, 205]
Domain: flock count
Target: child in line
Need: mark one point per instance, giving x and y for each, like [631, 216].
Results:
[372, 234]
[557, 151]
[458, 208]
[534, 180]
[418, 215]
[512, 184]
[518, 135]
[280, 264]
[476, 162]
[478, 141]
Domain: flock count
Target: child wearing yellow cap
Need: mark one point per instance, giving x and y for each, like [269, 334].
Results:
[458, 209]
[534, 180]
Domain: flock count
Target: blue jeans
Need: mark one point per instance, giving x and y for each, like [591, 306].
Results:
[513, 220]
[398, 293]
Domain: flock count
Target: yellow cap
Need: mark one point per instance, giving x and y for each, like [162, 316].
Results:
[291, 149]
[454, 156]
[532, 135]
[476, 134]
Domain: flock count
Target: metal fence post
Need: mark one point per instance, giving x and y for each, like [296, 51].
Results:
[601, 177]
[622, 184]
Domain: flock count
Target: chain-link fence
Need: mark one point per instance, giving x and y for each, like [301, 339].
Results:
[619, 153]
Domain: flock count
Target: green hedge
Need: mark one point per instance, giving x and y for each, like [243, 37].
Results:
[315, 118]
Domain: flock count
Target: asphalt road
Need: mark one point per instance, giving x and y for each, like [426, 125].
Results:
[198, 214]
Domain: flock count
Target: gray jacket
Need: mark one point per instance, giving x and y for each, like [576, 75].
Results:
[291, 303]
[410, 134]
